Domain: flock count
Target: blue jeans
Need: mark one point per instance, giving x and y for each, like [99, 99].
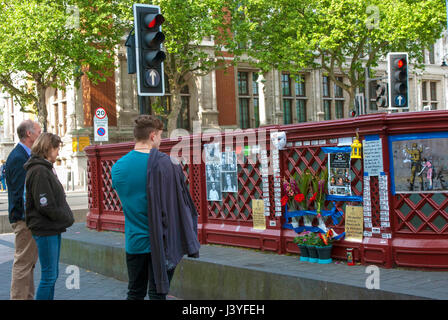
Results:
[49, 248]
[3, 184]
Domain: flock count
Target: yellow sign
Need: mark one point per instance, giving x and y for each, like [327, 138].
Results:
[83, 142]
[354, 223]
[75, 144]
[258, 217]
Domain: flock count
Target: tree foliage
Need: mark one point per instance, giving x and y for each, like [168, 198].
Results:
[342, 37]
[46, 43]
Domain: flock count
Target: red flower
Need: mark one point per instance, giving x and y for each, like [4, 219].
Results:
[313, 197]
[284, 200]
[299, 197]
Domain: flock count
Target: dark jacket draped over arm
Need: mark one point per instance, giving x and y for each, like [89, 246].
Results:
[172, 217]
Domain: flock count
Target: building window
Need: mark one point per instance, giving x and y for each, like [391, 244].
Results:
[243, 83]
[326, 86]
[431, 55]
[165, 104]
[287, 111]
[183, 119]
[294, 101]
[429, 94]
[301, 110]
[336, 95]
[244, 113]
[327, 109]
[248, 100]
[58, 121]
[286, 85]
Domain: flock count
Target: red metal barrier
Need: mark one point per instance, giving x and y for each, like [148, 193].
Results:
[230, 222]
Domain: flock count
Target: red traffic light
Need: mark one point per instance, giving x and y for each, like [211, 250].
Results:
[153, 20]
[400, 63]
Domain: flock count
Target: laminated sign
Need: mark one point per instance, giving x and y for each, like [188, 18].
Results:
[354, 221]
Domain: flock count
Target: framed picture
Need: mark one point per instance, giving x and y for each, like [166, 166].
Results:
[339, 180]
[419, 162]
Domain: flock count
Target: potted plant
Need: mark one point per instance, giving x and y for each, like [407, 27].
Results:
[301, 241]
[312, 241]
[324, 244]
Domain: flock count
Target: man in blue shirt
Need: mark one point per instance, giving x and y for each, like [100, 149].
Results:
[129, 179]
[25, 256]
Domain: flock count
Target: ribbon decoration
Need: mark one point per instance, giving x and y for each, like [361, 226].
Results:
[334, 213]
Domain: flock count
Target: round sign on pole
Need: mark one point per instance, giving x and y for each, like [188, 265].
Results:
[101, 131]
[100, 113]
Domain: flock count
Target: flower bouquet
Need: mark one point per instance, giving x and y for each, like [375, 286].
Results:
[319, 187]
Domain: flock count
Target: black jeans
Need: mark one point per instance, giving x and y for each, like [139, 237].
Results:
[141, 277]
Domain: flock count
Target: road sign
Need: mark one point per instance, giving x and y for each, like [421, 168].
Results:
[400, 100]
[100, 113]
[152, 77]
[101, 125]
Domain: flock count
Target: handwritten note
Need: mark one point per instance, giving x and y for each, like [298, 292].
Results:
[373, 157]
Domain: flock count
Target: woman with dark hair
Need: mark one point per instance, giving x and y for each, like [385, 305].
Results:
[47, 213]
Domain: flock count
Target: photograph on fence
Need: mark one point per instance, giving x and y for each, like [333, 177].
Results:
[229, 182]
[212, 153]
[339, 179]
[419, 162]
[213, 171]
[229, 174]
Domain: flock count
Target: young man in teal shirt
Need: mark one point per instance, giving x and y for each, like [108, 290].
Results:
[129, 179]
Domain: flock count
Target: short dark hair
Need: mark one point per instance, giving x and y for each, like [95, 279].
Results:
[44, 143]
[146, 124]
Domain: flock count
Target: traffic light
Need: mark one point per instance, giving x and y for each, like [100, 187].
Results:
[352, 113]
[148, 41]
[398, 79]
[381, 95]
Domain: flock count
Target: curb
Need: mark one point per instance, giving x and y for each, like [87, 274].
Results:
[204, 278]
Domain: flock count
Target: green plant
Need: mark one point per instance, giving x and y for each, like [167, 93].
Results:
[302, 238]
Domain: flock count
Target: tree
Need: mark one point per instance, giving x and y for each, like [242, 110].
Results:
[342, 37]
[187, 24]
[47, 43]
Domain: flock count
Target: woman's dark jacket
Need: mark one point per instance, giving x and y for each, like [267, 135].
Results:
[47, 212]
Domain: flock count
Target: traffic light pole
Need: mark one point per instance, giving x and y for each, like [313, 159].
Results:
[144, 107]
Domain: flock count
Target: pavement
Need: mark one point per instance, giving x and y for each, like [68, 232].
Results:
[223, 272]
[92, 286]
